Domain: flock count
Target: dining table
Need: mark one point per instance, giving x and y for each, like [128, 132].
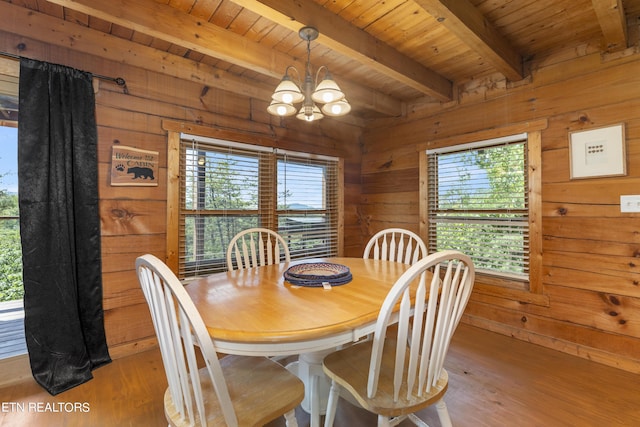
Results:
[258, 312]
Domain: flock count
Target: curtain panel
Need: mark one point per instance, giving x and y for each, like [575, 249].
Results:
[60, 225]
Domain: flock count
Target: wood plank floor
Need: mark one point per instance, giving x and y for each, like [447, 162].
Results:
[495, 381]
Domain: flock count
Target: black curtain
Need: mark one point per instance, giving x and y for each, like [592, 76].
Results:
[60, 225]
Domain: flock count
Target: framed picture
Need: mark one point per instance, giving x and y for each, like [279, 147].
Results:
[133, 167]
[598, 152]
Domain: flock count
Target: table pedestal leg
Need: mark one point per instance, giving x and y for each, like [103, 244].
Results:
[316, 384]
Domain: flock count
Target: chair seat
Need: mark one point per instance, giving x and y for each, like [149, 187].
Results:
[346, 368]
[260, 390]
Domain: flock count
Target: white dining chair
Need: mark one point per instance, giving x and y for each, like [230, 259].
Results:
[256, 247]
[396, 244]
[403, 379]
[231, 391]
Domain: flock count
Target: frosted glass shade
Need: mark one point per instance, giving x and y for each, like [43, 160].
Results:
[282, 109]
[287, 92]
[337, 108]
[327, 91]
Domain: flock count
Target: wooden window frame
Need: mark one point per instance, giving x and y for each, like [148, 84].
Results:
[174, 136]
[486, 284]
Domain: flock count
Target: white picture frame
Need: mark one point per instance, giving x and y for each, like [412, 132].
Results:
[598, 152]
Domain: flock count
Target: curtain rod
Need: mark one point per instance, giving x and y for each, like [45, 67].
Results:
[117, 80]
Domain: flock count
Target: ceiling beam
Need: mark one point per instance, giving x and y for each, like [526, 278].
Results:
[470, 26]
[612, 21]
[47, 29]
[169, 24]
[349, 40]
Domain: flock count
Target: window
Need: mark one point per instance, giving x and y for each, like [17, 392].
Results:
[11, 256]
[227, 187]
[11, 287]
[478, 204]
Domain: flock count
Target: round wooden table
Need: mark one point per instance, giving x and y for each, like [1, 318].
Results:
[256, 312]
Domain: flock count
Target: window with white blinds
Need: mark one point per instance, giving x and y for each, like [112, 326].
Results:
[227, 187]
[478, 204]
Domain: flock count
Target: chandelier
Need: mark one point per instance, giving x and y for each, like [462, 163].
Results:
[290, 92]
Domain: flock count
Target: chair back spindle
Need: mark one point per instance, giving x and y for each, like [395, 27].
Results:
[180, 331]
[428, 323]
[256, 247]
[396, 244]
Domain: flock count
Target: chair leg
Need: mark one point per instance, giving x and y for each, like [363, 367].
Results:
[443, 413]
[384, 421]
[332, 404]
[290, 419]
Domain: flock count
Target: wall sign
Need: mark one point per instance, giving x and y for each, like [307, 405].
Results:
[133, 167]
[598, 152]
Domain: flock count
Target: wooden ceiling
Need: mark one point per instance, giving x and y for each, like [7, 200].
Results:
[384, 54]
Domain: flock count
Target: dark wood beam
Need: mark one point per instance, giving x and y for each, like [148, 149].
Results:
[169, 24]
[612, 20]
[470, 26]
[346, 39]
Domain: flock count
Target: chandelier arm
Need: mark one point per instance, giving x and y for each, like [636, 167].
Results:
[326, 71]
[286, 73]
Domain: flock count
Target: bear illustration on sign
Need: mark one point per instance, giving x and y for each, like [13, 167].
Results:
[141, 172]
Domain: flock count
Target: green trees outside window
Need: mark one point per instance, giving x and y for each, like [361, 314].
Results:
[10, 248]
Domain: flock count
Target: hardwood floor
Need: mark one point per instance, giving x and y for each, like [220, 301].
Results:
[495, 381]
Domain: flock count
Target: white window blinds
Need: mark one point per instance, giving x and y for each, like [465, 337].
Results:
[227, 187]
[478, 204]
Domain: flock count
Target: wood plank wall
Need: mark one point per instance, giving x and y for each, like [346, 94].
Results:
[133, 219]
[590, 249]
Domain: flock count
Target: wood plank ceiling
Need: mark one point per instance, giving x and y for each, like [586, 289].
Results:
[384, 54]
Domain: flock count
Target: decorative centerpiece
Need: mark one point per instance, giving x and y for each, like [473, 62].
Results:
[318, 274]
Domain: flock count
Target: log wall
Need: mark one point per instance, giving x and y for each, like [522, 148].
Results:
[590, 277]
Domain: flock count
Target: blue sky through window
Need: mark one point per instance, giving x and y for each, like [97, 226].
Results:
[9, 159]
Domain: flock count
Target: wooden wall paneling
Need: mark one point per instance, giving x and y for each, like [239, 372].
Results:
[582, 209]
[392, 158]
[391, 182]
[134, 244]
[608, 312]
[121, 288]
[132, 217]
[602, 191]
[601, 346]
[619, 351]
[127, 324]
[589, 286]
[619, 282]
[602, 310]
[124, 261]
[599, 229]
[578, 246]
